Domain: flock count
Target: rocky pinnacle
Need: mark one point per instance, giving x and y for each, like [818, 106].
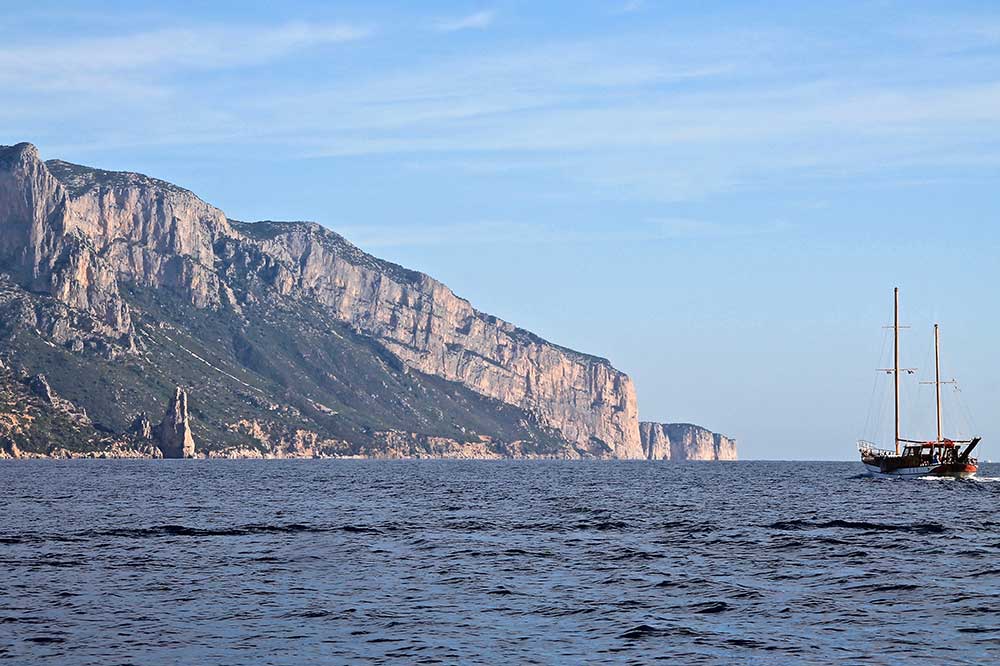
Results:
[173, 435]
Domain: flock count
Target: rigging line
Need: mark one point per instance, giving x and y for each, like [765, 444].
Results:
[964, 406]
[963, 430]
[919, 405]
[914, 409]
[875, 383]
[958, 422]
[885, 406]
[884, 402]
[885, 409]
[884, 388]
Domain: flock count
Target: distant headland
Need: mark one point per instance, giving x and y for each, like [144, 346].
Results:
[123, 296]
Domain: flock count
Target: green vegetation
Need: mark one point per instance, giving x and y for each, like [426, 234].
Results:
[30, 423]
[78, 178]
[288, 363]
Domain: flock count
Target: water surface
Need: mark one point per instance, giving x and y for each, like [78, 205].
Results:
[336, 562]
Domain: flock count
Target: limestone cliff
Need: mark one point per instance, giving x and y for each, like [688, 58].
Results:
[102, 265]
[44, 251]
[683, 441]
[84, 235]
[424, 323]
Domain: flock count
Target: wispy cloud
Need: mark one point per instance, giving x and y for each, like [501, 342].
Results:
[102, 62]
[675, 147]
[632, 6]
[476, 21]
[951, 34]
[666, 115]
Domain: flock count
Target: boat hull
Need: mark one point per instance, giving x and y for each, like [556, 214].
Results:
[949, 470]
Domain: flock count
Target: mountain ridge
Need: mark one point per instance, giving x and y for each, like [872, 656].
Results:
[96, 252]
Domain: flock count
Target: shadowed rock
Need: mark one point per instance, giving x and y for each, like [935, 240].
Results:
[173, 435]
[141, 427]
[39, 385]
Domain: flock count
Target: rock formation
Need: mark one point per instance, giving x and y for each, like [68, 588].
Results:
[40, 387]
[141, 427]
[683, 441]
[173, 434]
[424, 323]
[44, 249]
[108, 265]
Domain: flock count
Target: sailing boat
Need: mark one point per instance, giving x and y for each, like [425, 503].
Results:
[942, 457]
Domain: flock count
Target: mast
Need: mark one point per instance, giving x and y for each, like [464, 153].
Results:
[937, 379]
[895, 358]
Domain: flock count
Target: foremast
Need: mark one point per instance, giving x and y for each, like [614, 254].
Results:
[895, 358]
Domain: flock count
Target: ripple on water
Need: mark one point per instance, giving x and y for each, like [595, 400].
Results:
[489, 563]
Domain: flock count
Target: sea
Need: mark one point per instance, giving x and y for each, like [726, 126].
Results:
[220, 562]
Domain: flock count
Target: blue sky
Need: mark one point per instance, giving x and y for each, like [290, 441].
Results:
[718, 197]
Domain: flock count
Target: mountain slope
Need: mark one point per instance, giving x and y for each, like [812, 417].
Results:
[289, 339]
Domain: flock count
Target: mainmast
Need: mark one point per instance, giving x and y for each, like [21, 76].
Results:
[937, 379]
[937, 382]
[895, 358]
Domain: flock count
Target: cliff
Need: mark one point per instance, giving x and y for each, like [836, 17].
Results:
[683, 441]
[145, 285]
[426, 325]
[44, 251]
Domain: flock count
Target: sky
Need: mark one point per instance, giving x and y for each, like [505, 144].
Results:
[718, 197]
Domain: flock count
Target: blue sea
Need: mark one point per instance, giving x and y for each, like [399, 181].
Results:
[512, 562]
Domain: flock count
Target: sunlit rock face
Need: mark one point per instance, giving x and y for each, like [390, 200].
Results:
[424, 323]
[173, 434]
[85, 237]
[43, 252]
[683, 441]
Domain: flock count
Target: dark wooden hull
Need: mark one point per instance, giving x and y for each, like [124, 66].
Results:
[900, 467]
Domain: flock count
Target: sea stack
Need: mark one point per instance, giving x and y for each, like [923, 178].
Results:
[173, 435]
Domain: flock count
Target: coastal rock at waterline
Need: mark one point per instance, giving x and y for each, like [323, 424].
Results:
[684, 441]
[36, 422]
[173, 435]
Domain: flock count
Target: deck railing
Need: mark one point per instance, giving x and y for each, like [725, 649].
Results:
[865, 446]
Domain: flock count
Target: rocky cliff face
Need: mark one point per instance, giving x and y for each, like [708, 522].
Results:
[683, 441]
[173, 435]
[126, 266]
[424, 323]
[44, 251]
